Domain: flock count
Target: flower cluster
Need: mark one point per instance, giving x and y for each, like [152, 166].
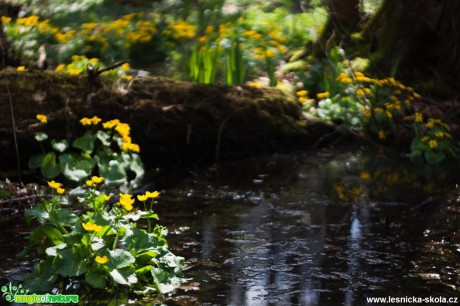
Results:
[148, 195]
[90, 121]
[126, 201]
[94, 181]
[56, 186]
[123, 130]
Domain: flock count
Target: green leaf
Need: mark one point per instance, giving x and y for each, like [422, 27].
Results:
[35, 161]
[40, 136]
[50, 168]
[124, 276]
[104, 138]
[434, 157]
[75, 167]
[52, 251]
[98, 243]
[59, 146]
[85, 142]
[120, 259]
[70, 264]
[95, 278]
[134, 163]
[111, 167]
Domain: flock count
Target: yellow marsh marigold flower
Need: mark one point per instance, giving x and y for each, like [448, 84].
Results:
[85, 121]
[54, 185]
[364, 175]
[302, 93]
[5, 20]
[21, 68]
[433, 144]
[323, 95]
[363, 79]
[91, 227]
[382, 134]
[90, 121]
[126, 201]
[42, 118]
[94, 181]
[106, 197]
[110, 124]
[142, 198]
[418, 117]
[60, 190]
[152, 195]
[439, 134]
[89, 183]
[101, 260]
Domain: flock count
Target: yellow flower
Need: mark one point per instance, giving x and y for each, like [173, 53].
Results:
[95, 120]
[5, 20]
[97, 179]
[102, 260]
[59, 68]
[125, 67]
[106, 197]
[90, 227]
[302, 93]
[363, 79]
[303, 99]
[89, 183]
[21, 68]
[152, 195]
[110, 124]
[126, 201]
[433, 144]
[42, 118]
[382, 134]
[142, 198]
[430, 123]
[418, 117]
[60, 190]
[439, 135]
[364, 175]
[323, 95]
[85, 121]
[54, 185]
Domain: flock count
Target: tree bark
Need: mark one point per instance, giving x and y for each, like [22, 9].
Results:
[418, 40]
[344, 19]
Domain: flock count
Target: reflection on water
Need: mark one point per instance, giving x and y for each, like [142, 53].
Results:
[314, 229]
[291, 238]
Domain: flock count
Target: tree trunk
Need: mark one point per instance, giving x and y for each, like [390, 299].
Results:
[418, 40]
[344, 19]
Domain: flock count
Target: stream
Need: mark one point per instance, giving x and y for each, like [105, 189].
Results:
[311, 228]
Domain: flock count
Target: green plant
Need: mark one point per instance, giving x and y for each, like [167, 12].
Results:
[433, 142]
[236, 72]
[378, 107]
[203, 64]
[103, 248]
[108, 150]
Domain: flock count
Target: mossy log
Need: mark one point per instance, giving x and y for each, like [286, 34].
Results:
[172, 121]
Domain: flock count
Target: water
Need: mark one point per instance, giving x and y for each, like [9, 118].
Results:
[318, 228]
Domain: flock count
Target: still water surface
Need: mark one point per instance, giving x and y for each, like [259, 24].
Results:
[319, 228]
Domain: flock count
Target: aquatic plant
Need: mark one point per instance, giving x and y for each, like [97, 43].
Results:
[106, 148]
[105, 247]
[378, 107]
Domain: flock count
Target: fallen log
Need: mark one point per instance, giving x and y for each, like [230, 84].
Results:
[173, 121]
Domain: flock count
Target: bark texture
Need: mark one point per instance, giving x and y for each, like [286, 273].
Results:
[418, 40]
